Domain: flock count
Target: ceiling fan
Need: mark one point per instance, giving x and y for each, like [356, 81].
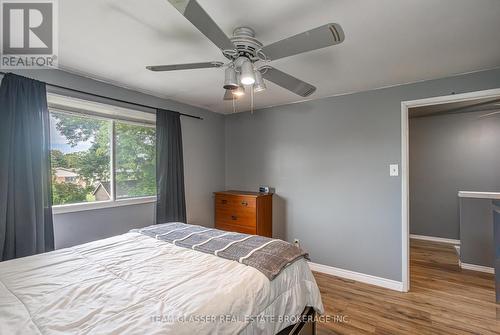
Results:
[249, 59]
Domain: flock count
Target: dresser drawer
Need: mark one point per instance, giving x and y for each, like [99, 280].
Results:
[236, 210]
[235, 228]
[237, 217]
[235, 202]
[245, 212]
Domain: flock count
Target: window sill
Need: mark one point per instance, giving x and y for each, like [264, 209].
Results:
[70, 208]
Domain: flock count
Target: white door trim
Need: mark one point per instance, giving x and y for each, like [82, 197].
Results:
[405, 220]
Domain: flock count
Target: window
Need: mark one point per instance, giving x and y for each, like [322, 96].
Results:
[80, 156]
[100, 158]
[135, 160]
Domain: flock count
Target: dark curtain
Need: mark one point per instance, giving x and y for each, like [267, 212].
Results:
[25, 176]
[171, 202]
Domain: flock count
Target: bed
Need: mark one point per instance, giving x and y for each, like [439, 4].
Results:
[138, 284]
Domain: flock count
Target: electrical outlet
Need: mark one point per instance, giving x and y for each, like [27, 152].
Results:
[296, 242]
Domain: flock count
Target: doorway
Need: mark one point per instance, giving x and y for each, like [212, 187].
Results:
[456, 103]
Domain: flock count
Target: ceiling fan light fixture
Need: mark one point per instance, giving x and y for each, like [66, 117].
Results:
[239, 92]
[247, 74]
[259, 85]
[230, 79]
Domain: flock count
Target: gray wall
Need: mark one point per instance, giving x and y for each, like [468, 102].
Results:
[476, 232]
[80, 227]
[450, 153]
[329, 162]
[203, 142]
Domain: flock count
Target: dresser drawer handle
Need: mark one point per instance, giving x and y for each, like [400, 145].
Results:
[224, 201]
[234, 217]
[244, 203]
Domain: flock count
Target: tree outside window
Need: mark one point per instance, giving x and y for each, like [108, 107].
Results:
[81, 154]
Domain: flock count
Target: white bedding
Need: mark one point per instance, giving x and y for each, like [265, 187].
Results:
[134, 284]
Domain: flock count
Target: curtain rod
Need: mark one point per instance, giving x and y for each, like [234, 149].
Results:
[114, 99]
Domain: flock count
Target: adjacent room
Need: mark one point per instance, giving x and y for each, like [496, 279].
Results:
[235, 167]
[454, 189]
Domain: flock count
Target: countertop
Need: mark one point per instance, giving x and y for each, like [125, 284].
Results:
[480, 195]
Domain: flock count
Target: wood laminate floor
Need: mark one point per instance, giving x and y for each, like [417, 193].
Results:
[443, 299]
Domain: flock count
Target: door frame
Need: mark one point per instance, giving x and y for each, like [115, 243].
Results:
[405, 187]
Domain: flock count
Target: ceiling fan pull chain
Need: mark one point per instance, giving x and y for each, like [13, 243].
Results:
[251, 100]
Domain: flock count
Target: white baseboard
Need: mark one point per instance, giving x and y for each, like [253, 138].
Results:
[457, 250]
[357, 276]
[434, 239]
[475, 267]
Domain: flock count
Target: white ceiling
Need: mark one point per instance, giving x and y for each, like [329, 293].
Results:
[388, 42]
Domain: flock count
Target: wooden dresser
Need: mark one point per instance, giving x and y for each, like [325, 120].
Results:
[244, 212]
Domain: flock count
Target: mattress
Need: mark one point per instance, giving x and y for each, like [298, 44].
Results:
[135, 284]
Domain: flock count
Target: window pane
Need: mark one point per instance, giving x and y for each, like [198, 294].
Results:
[135, 152]
[80, 155]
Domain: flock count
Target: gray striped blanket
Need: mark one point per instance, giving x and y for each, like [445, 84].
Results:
[267, 255]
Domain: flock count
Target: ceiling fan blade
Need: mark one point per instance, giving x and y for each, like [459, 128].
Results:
[188, 66]
[287, 81]
[192, 11]
[497, 112]
[317, 38]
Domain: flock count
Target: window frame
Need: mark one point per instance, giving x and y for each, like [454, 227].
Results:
[88, 206]
[113, 202]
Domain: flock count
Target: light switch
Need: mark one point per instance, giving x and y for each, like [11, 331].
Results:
[393, 170]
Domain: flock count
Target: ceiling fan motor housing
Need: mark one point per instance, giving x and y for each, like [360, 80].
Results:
[246, 44]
